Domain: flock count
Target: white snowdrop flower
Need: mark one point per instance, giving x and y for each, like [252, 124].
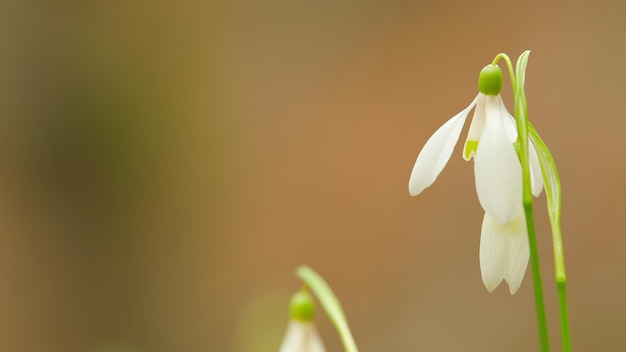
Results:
[301, 335]
[504, 248]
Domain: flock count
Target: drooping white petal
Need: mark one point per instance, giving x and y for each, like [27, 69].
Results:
[302, 337]
[436, 152]
[475, 129]
[497, 169]
[536, 178]
[504, 252]
[491, 254]
[518, 253]
[509, 123]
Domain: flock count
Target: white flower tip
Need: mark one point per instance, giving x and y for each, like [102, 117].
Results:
[513, 289]
[491, 284]
[517, 266]
[415, 187]
[490, 269]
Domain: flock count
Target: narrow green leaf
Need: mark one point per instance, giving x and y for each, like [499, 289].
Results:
[552, 184]
[330, 303]
[551, 179]
[520, 69]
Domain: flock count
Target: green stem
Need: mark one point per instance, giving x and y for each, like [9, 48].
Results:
[521, 118]
[566, 340]
[561, 280]
[553, 192]
[542, 324]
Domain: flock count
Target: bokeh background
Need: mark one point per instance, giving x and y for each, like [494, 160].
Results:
[166, 165]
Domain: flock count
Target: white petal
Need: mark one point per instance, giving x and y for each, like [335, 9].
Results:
[302, 337]
[536, 177]
[504, 252]
[475, 129]
[491, 254]
[509, 124]
[518, 251]
[497, 169]
[436, 152]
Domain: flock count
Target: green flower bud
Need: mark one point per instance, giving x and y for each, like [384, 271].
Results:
[302, 306]
[490, 80]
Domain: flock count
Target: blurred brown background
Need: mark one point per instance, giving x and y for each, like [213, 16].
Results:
[165, 166]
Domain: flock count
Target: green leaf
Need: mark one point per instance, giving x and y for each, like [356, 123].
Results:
[551, 179]
[520, 95]
[520, 69]
[552, 184]
[330, 303]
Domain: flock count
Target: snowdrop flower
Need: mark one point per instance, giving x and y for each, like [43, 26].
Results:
[504, 250]
[301, 335]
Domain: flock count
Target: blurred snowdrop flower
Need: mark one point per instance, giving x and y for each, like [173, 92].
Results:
[504, 250]
[301, 335]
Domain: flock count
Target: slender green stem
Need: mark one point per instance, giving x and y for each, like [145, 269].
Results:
[561, 279]
[566, 340]
[553, 192]
[536, 270]
[521, 118]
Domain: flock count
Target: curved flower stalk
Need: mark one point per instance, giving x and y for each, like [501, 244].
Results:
[301, 335]
[491, 141]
